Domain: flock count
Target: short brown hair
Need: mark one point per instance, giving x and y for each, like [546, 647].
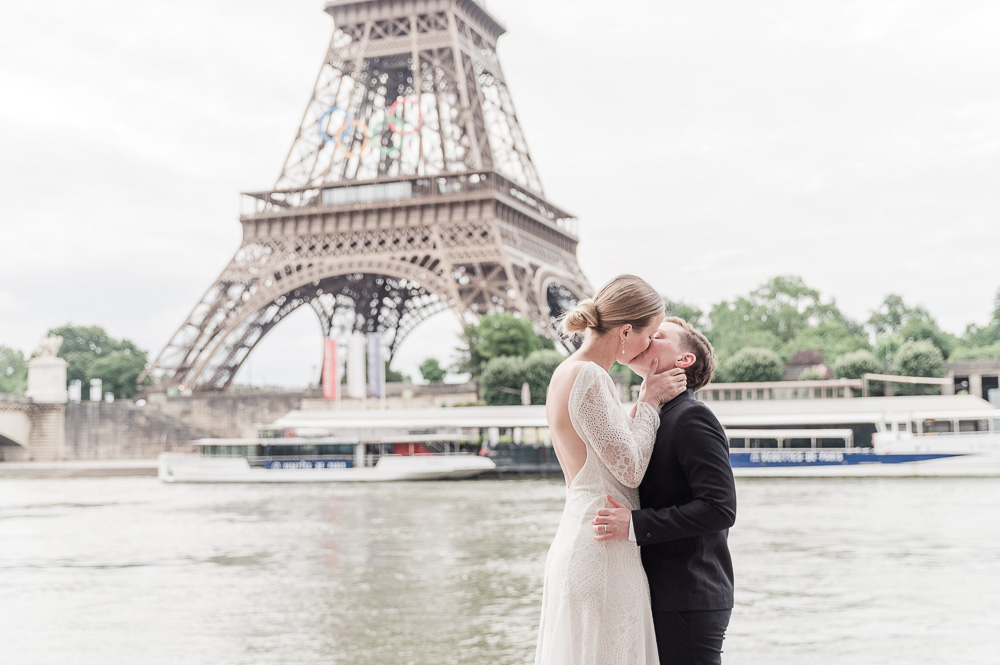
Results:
[700, 373]
[626, 299]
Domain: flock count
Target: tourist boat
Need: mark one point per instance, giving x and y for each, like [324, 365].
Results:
[874, 436]
[841, 437]
[344, 446]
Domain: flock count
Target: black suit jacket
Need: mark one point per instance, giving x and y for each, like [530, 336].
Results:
[688, 503]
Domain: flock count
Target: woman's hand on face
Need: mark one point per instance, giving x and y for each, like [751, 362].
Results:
[659, 388]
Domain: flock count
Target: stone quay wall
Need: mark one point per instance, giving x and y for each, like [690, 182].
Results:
[121, 430]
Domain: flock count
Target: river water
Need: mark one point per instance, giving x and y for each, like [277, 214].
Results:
[127, 570]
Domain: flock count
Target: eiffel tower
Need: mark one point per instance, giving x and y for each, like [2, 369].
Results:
[408, 190]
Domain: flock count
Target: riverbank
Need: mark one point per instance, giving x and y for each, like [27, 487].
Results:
[78, 469]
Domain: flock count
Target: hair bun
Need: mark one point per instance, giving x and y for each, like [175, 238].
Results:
[583, 316]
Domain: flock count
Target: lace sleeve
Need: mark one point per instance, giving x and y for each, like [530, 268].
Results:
[623, 444]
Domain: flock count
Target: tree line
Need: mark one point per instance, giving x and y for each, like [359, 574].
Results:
[781, 323]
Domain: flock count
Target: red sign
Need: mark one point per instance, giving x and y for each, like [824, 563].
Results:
[330, 369]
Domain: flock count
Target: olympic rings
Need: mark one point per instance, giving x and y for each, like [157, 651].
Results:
[393, 119]
[343, 130]
[394, 109]
[377, 129]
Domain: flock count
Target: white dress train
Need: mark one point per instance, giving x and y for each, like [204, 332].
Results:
[595, 601]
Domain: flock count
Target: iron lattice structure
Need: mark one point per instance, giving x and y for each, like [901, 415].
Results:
[408, 189]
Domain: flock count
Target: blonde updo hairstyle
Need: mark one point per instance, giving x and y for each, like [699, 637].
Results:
[625, 299]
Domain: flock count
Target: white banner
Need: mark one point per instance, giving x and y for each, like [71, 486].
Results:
[356, 366]
[375, 372]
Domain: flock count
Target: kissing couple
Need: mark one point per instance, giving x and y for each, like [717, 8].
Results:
[639, 572]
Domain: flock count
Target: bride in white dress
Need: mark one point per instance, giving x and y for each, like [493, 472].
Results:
[595, 602]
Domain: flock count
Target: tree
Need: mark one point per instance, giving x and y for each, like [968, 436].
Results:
[538, 369]
[689, 313]
[13, 371]
[83, 346]
[501, 381]
[754, 364]
[832, 338]
[919, 358]
[771, 316]
[119, 372]
[811, 374]
[908, 323]
[986, 335]
[431, 370]
[856, 364]
[893, 314]
[496, 335]
[988, 352]
[391, 376]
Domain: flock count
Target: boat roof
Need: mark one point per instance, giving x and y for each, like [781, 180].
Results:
[466, 416]
[756, 412]
[870, 406]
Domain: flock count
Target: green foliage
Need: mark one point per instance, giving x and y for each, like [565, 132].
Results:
[986, 335]
[918, 358]
[893, 314]
[833, 338]
[773, 316]
[431, 370]
[538, 369]
[391, 376]
[496, 335]
[895, 323]
[689, 313]
[119, 372]
[927, 329]
[501, 381]
[856, 364]
[84, 346]
[13, 371]
[811, 374]
[988, 352]
[728, 341]
[753, 364]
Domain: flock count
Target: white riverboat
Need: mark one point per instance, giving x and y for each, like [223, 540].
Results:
[864, 436]
[354, 446]
[874, 436]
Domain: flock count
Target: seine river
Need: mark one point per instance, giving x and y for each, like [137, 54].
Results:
[126, 570]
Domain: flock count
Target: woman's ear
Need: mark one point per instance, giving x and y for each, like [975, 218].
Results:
[686, 360]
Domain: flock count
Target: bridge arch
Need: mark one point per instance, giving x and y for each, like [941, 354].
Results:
[15, 424]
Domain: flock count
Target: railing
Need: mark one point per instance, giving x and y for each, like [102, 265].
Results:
[773, 390]
[369, 193]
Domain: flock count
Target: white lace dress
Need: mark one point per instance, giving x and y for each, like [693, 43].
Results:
[595, 602]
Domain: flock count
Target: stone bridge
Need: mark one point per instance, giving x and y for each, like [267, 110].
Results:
[31, 430]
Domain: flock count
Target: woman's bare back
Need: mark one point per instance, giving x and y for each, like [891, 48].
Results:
[570, 448]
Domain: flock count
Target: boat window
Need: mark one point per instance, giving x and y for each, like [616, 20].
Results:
[932, 426]
[831, 443]
[764, 443]
[996, 425]
[978, 425]
[798, 443]
[900, 427]
[913, 427]
[737, 443]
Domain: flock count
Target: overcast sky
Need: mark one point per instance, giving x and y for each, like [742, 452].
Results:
[706, 146]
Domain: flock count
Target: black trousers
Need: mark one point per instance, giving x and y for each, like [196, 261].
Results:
[691, 638]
